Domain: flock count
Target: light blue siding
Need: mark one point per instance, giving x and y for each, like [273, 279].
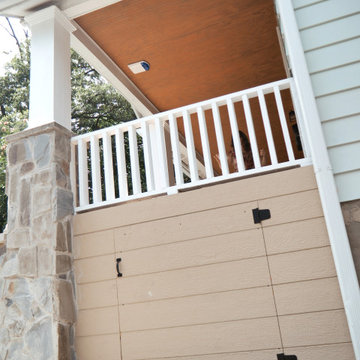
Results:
[330, 33]
[334, 56]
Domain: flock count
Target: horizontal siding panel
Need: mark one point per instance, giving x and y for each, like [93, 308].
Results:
[314, 329]
[185, 227]
[330, 33]
[98, 347]
[296, 236]
[301, 3]
[98, 268]
[290, 208]
[209, 308]
[96, 295]
[99, 243]
[347, 185]
[308, 296]
[228, 247]
[243, 355]
[324, 352]
[97, 321]
[234, 192]
[334, 80]
[202, 339]
[194, 281]
[325, 11]
[342, 131]
[345, 157]
[302, 265]
[339, 105]
[333, 56]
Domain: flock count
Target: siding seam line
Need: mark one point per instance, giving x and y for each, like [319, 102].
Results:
[331, 44]
[335, 67]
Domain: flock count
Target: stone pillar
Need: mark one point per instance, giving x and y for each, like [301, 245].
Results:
[37, 306]
[351, 212]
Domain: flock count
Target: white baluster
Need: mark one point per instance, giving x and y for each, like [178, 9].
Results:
[283, 122]
[108, 168]
[190, 147]
[134, 161]
[83, 173]
[121, 164]
[174, 136]
[268, 132]
[73, 174]
[205, 143]
[95, 169]
[250, 126]
[220, 140]
[150, 183]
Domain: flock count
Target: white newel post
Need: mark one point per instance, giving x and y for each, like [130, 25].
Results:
[50, 85]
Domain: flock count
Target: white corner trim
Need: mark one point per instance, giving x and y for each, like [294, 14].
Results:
[51, 12]
[339, 241]
[85, 46]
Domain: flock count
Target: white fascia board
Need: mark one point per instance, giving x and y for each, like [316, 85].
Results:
[85, 46]
[76, 8]
[339, 241]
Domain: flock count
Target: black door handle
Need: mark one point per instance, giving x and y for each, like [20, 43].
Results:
[118, 261]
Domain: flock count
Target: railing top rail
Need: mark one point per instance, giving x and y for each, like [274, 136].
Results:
[205, 105]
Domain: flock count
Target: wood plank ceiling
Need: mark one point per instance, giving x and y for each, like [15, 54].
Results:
[197, 49]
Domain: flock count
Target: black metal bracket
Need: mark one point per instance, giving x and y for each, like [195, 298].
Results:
[260, 215]
[118, 261]
[286, 357]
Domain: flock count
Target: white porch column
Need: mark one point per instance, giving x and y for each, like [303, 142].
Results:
[50, 87]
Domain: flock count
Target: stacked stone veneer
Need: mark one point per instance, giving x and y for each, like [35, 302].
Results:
[37, 307]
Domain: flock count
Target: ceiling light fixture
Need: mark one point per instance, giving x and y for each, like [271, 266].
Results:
[140, 66]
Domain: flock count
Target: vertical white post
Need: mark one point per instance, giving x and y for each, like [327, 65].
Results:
[73, 172]
[343, 259]
[163, 176]
[50, 88]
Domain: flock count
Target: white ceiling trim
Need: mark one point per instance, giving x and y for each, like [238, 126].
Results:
[76, 8]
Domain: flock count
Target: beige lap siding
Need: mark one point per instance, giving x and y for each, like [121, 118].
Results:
[201, 281]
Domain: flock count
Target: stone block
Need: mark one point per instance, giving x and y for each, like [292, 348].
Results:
[18, 238]
[61, 240]
[27, 262]
[46, 261]
[64, 205]
[26, 168]
[62, 175]
[11, 265]
[66, 303]
[63, 264]
[44, 289]
[64, 352]
[62, 146]
[25, 203]
[69, 235]
[19, 152]
[40, 340]
[43, 230]
[42, 200]
[42, 178]
[42, 150]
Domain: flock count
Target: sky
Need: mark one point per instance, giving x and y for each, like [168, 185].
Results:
[8, 47]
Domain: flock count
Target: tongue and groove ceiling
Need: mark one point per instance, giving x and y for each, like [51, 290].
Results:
[197, 49]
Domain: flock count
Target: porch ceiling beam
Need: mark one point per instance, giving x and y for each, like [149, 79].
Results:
[85, 46]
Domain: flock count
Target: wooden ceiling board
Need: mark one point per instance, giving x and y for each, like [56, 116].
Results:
[197, 49]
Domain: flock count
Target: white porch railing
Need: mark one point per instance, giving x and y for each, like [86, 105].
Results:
[149, 156]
